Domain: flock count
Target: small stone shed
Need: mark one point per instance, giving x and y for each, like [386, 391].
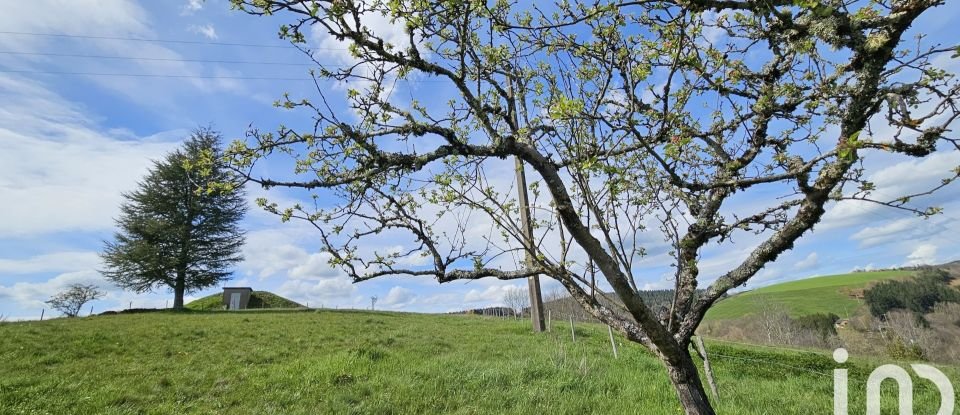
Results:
[236, 298]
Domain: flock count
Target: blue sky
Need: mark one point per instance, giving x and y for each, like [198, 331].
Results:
[72, 143]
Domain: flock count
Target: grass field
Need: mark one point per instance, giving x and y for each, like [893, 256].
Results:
[829, 294]
[346, 362]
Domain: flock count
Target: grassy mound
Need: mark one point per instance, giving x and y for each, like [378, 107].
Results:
[837, 294]
[258, 300]
[338, 362]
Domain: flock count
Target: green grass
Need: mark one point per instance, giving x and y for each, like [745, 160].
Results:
[343, 362]
[829, 294]
[258, 299]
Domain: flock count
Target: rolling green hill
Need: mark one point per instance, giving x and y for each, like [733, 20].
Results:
[352, 362]
[258, 299]
[829, 294]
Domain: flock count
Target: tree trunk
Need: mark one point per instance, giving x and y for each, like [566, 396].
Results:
[686, 381]
[178, 289]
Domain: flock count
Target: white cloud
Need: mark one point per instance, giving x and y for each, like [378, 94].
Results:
[899, 179]
[316, 266]
[925, 254]
[271, 252]
[415, 260]
[330, 49]
[717, 260]
[75, 268]
[97, 17]
[398, 297]
[109, 19]
[306, 277]
[206, 30]
[714, 34]
[191, 7]
[64, 174]
[54, 262]
[31, 295]
[661, 284]
[492, 295]
[811, 261]
[319, 293]
[392, 32]
[899, 230]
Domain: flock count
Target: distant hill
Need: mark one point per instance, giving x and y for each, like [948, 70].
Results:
[953, 268]
[258, 300]
[563, 307]
[839, 294]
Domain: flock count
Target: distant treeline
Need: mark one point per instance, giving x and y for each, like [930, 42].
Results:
[488, 311]
[561, 306]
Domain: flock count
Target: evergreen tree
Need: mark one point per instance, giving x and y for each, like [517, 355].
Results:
[179, 229]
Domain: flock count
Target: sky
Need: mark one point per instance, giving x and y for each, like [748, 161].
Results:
[75, 134]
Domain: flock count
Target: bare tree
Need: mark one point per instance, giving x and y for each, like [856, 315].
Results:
[634, 118]
[517, 299]
[908, 326]
[775, 321]
[70, 301]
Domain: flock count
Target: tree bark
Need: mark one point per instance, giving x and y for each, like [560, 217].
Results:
[178, 289]
[686, 382]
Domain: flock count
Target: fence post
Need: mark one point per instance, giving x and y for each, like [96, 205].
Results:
[612, 343]
[91, 310]
[572, 333]
[549, 315]
[706, 367]
[43, 310]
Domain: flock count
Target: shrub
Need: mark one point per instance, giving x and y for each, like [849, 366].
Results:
[822, 324]
[919, 294]
[900, 350]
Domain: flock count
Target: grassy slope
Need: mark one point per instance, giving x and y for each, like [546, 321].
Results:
[828, 294]
[258, 299]
[383, 363]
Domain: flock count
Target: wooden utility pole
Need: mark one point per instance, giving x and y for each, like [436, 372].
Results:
[533, 283]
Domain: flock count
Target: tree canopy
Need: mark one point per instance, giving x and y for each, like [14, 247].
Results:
[692, 122]
[919, 294]
[180, 228]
